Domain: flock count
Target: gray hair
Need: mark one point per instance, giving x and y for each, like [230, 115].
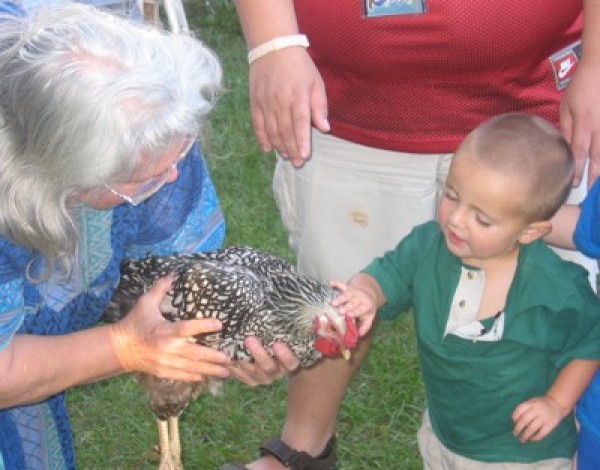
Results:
[83, 95]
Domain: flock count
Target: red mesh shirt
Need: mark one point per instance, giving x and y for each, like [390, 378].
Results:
[420, 83]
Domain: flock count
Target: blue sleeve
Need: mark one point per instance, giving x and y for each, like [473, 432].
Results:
[184, 216]
[11, 8]
[12, 304]
[587, 230]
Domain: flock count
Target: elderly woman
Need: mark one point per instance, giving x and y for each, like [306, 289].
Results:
[98, 161]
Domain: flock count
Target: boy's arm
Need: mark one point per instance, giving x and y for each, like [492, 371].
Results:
[571, 382]
[536, 418]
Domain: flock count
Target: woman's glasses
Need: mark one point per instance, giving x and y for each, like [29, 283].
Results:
[151, 186]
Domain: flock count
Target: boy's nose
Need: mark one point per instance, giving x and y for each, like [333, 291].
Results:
[457, 216]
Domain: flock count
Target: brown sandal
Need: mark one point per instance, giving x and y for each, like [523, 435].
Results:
[295, 459]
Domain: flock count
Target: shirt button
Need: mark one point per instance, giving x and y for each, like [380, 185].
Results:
[470, 275]
[462, 303]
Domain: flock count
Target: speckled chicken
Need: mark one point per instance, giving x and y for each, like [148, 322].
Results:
[253, 294]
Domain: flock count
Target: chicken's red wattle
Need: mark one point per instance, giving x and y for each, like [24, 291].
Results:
[351, 336]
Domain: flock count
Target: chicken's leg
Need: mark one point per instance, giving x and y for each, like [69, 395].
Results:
[175, 442]
[169, 457]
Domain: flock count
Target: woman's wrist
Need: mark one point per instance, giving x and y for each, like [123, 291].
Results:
[121, 345]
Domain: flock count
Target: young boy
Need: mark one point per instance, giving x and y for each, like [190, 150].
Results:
[508, 333]
[579, 227]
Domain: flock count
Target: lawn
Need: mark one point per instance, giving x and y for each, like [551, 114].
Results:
[378, 421]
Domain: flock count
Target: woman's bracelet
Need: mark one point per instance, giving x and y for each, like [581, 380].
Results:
[275, 44]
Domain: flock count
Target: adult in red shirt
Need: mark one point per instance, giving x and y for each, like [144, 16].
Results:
[378, 103]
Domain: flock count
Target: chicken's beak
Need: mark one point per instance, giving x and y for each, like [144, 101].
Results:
[346, 353]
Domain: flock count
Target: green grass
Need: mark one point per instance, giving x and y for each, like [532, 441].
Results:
[377, 425]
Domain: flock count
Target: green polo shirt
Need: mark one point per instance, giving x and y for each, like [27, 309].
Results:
[551, 317]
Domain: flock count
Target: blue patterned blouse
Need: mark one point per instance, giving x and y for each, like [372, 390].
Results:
[183, 216]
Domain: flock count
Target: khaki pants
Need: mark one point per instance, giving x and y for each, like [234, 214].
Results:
[437, 457]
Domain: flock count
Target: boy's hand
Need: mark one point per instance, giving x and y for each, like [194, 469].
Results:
[357, 303]
[536, 418]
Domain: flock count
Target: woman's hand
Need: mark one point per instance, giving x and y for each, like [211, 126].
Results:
[144, 341]
[266, 369]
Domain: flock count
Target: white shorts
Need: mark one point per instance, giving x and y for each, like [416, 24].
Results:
[351, 203]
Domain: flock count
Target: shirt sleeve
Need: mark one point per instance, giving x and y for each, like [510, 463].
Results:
[395, 270]
[12, 305]
[587, 230]
[11, 8]
[578, 327]
[184, 216]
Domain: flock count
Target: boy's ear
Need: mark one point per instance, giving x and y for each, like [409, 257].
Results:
[535, 231]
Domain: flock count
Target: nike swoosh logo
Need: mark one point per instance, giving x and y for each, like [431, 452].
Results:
[568, 65]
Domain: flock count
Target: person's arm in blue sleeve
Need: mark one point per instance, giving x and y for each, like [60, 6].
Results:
[578, 226]
[587, 230]
[11, 8]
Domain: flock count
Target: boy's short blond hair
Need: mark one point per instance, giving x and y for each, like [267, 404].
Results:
[531, 150]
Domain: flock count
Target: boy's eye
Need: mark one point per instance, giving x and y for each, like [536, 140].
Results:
[450, 195]
[481, 221]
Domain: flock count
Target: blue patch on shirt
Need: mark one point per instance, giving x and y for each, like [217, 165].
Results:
[374, 8]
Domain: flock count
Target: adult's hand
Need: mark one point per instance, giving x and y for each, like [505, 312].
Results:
[580, 120]
[265, 369]
[287, 95]
[144, 341]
